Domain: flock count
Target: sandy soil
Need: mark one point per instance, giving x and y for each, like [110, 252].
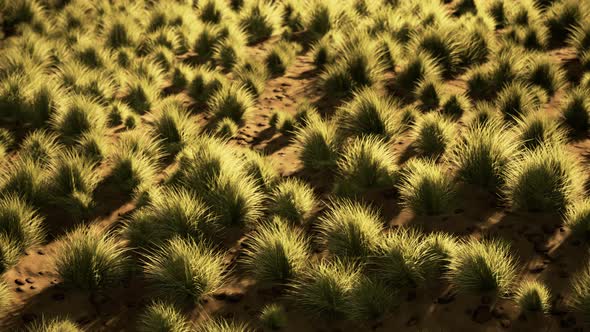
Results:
[543, 247]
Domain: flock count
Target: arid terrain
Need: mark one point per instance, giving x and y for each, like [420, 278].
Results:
[294, 165]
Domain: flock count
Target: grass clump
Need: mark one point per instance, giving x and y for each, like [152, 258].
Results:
[533, 296]
[441, 44]
[577, 218]
[174, 126]
[10, 253]
[575, 110]
[91, 259]
[405, 259]
[366, 163]
[350, 229]
[516, 100]
[222, 325]
[72, 180]
[369, 113]
[140, 94]
[160, 316]
[185, 271]
[280, 57]
[226, 129]
[483, 267]
[483, 153]
[543, 72]
[426, 189]
[204, 84]
[176, 212]
[93, 145]
[429, 95]
[54, 325]
[24, 178]
[546, 179]
[77, 116]
[415, 71]
[20, 223]
[252, 76]
[455, 105]
[132, 172]
[293, 200]
[276, 253]
[273, 316]
[370, 299]
[216, 175]
[357, 68]
[260, 20]
[433, 134]
[232, 101]
[318, 143]
[562, 17]
[323, 289]
[537, 129]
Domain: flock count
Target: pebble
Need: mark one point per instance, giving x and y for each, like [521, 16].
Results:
[30, 280]
[412, 321]
[19, 282]
[482, 314]
[19, 290]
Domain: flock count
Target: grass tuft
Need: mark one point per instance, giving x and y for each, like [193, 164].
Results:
[533, 296]
[323, 289]
[185, 271]
[159, 316]
[433, 134]
[425, 188]
[546, 179]
[293, 200]
[273, 316]
[276, 253]
[91, 259]
[367, 163]
[231, 101]
[369, 113]
[350, 229]
[483, 153]
[318, 144]
[483, 267]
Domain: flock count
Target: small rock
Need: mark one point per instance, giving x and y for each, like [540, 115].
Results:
[568, 322]
[19, 290]
[30, 280]
[234, 297]
[33, 287]
[537, 268]
[505, 323]
[40, 252]
[547, 229]
[446, 298]
[377, 325]
[19, 282]
[413, 321]
[482, 314]
[29, 317]
[498, 312]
